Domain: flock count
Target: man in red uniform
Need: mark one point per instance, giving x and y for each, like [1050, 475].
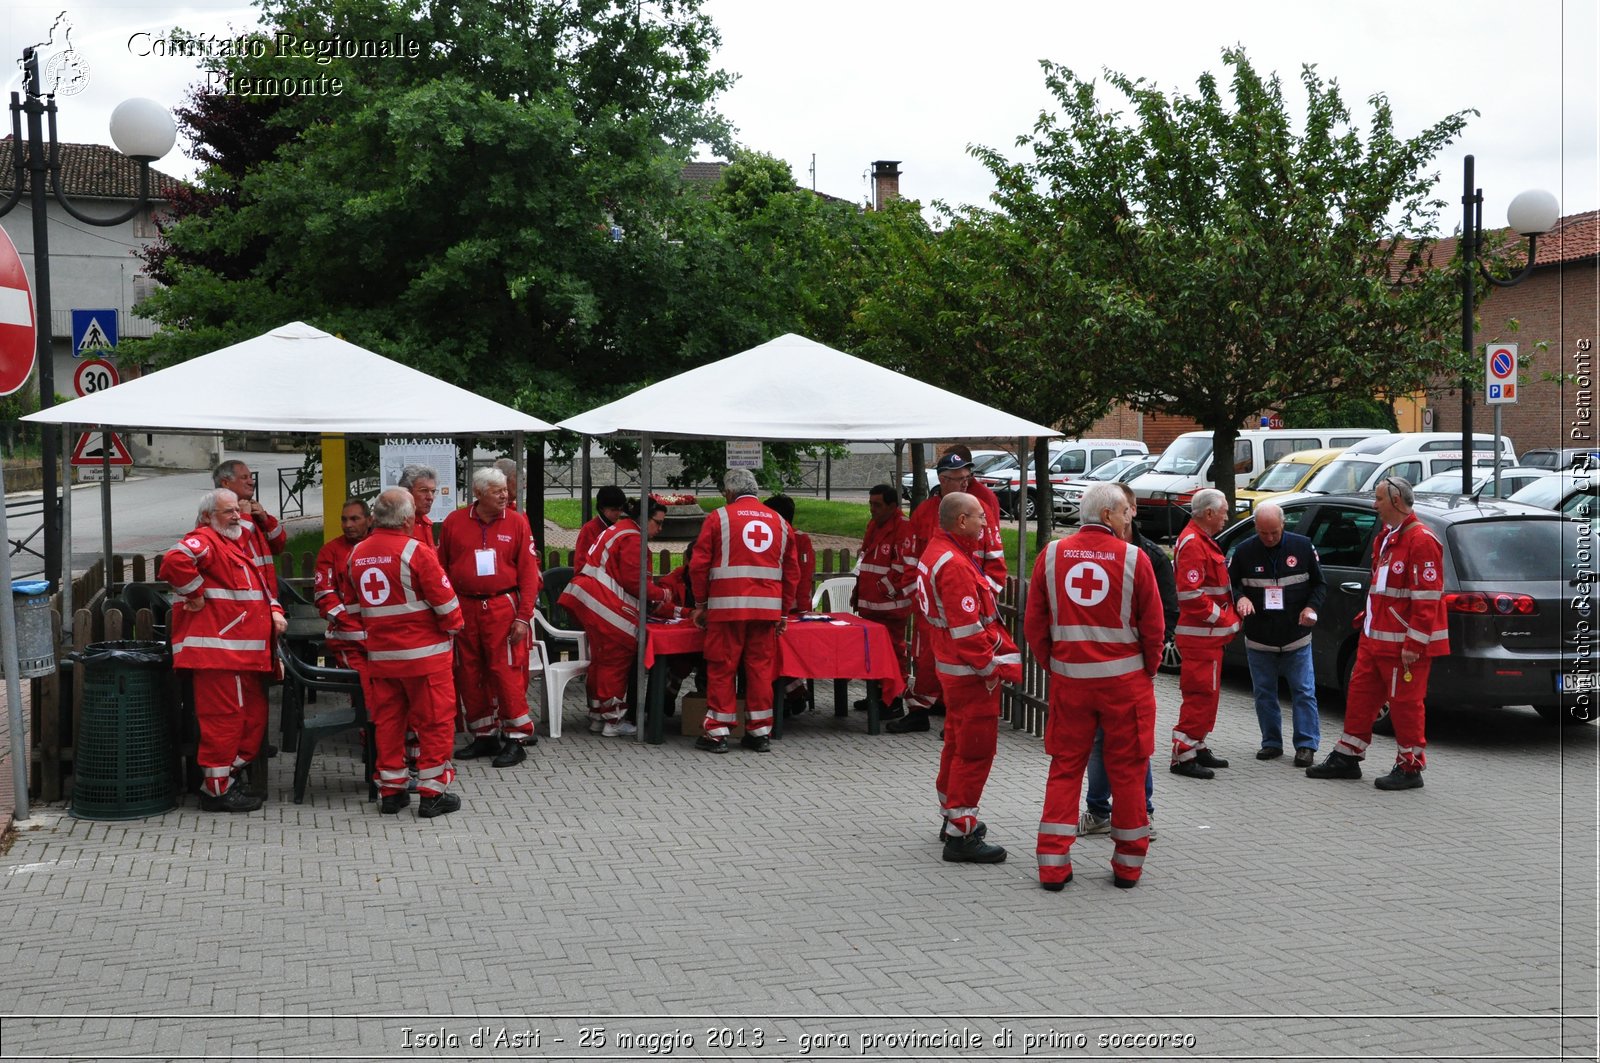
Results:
[1094, 613]
[263, 537]
[974, 654]
[345, 635]
[423, 483]
[988, 553]
[794, 690]
[745, 574]
[223, 633]
[883, 589]
[489, 554]
[1403, 629]
[410, 614]
[604, 599]
[609, 503]
[1206, 624]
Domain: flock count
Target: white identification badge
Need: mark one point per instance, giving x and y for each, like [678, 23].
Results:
[1383, 578]
[1274, 597]
[485, 562]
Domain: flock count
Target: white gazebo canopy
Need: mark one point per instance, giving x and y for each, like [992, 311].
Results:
[792, 388]
[294, 379]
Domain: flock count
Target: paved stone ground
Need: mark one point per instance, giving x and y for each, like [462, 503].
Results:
[663, 893]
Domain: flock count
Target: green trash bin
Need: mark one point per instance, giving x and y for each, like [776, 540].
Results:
[123, 765]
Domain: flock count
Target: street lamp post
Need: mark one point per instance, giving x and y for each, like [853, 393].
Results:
[1532, 214]
[141, 129]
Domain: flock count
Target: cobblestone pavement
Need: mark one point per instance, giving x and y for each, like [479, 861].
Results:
[794, 905]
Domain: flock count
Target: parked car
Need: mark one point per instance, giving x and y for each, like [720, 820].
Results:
[1576, 494]
[1518, 588]
[1512, 480]
[1414, 456]
[1117, 470]
[1562, 458]
[1288, 474]
[982, 461]
[1069, 458]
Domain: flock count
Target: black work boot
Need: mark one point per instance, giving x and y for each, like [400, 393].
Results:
[1207, 759]
[511, 752]
[233, 799]
[393, 803]
[440, 805]
[971, 849]
[916, 720]
[482, 746]
[1192, 769]
[1337, 765]
[1399, 779]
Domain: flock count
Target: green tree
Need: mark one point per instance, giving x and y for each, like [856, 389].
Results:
[1228, 261]
[493, 205]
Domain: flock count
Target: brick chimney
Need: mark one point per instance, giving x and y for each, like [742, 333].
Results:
[885, 182]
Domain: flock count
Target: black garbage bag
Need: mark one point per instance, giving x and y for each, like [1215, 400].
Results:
[131, 652]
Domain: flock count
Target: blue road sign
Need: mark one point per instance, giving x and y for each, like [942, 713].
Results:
[94, 332]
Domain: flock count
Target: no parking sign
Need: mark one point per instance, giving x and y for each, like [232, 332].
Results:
[1500, 376]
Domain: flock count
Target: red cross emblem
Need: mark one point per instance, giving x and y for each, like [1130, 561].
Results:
[1087, 583]
[1291, 561]
[757, 536]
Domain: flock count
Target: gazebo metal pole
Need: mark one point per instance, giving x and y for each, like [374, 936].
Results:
[8, 657]
[66, 532]
[641, 685]
[105, 505]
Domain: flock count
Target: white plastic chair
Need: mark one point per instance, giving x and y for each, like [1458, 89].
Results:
[836, 592]
[554, 674]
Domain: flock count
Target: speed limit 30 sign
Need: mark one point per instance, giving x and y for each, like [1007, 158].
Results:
[94, 375]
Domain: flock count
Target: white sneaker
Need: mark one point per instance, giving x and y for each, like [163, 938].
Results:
[1152, 826]
[596, 725]
[1089, 823]
[619, 729]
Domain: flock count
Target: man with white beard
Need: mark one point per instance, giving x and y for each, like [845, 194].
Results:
[223, 634]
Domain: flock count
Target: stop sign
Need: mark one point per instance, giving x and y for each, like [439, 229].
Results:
[16, 319]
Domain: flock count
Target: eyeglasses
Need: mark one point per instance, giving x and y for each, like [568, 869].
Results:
[1396, 492]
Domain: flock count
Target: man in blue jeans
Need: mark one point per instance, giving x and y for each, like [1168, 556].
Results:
[1278, 585]
[1096, 818]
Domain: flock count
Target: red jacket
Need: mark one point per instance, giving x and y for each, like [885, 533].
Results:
[965, 632]
[606, 592]
[1405, 603]
[423, 532]
[261, 543]
[1206, 618]
[883, 575]
[405, 603]
[591, 531]
[1094, 610]
[516, 557]
[745, 565]
[989, 552]
[233, 631]
[330, 590]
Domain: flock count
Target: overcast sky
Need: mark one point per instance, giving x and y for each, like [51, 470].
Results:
[851, 82]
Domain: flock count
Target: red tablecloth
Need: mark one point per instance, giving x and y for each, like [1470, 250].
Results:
[841, 647]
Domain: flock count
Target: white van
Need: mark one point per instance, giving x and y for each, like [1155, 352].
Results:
[1069, 458]
[1185, 467]
[1413, 456]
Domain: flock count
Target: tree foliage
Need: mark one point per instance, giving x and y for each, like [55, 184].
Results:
[1227, 261]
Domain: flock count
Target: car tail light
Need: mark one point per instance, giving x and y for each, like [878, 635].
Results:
[1184, 499]
[1498, 603]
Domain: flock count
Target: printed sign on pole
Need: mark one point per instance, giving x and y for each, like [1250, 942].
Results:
[1500, 373]
[94, 332]
[88, 450]
[437, 454]
[744, 455]
[16, 320]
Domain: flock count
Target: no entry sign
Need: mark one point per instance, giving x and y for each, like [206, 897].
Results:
[16, 319]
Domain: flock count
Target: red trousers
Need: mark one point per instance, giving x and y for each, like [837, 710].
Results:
[926, 687]
[491, 672]
[1126, 708]
[730, 643]
[612, 656]
[896, 626]
[231, 708]
[426, 705]
[971, 732]
[1200, 683]
[1374, 681]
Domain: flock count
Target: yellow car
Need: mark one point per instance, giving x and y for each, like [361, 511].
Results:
[1288, 474]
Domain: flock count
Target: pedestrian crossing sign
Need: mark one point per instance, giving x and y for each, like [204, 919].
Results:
[94, 332]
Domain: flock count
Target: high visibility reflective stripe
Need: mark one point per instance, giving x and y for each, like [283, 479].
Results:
[1097, 669]
[605, 612]
[1205, 632]
[1127, 859]
[882, 607]
[1189, 596]
[185, 550]
[207, 643]
[347, 636]
[747, 572]
[1403, 592]
[1281, 581]
[190, 587]
[1089, 633]
[1289, 647]
[1068, 829]
[744, 601]
[379, 611]
[1003, 659]
[235, 596]
[877, 570]
[447, 608]
[602, 577]
[409, 655]
[1347, 739]
[433, 772]
[1055, 860]
[230, 625]
[966, 631]
[1129, 834]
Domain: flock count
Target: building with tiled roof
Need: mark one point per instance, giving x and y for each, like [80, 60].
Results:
[89, 171]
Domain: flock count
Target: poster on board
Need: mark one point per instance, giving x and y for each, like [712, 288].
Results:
[437, 454]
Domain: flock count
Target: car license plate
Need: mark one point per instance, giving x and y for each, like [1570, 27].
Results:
[1577, 683]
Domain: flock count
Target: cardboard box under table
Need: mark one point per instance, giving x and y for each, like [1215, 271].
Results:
[820, 646]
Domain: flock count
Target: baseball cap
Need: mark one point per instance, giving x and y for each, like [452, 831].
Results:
[951, 462]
